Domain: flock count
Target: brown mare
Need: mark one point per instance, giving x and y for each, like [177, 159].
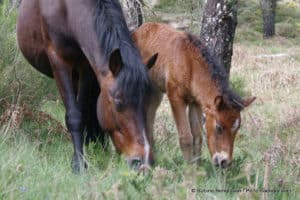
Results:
[87, 48]
[194, 84]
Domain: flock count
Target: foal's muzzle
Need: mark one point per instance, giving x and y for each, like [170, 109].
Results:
[221, 160]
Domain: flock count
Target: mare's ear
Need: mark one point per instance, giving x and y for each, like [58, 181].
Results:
[248, 101]
[115, 62]
[150, 63]
[219, 102]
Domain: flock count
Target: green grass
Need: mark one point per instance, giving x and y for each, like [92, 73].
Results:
[35, 150]
[37, 166]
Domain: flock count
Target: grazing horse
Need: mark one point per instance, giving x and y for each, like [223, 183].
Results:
[87, 48]
[194, 83]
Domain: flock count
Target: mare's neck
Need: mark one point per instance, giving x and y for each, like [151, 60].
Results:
[83, 29]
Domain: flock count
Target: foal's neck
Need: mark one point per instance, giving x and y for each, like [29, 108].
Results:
[204, 87]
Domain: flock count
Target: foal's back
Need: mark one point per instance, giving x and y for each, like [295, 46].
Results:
[176, 56]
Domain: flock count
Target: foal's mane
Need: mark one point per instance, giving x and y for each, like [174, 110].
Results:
[218, 74]
[112, 33]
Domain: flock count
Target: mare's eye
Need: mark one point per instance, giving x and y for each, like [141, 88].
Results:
[119, 105]
[219, 129]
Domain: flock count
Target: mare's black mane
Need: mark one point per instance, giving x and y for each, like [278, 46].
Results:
[113, 33]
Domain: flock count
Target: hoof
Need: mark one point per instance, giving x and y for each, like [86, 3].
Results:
[78, 165]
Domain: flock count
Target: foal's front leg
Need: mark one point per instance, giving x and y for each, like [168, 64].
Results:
[195, 123]
[62, 72]
[179, 108]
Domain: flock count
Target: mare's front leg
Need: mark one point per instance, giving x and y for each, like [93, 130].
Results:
[179, 108]
[152, 104]
[195, 123]
[62, 72]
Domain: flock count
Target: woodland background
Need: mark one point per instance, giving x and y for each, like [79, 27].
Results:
[35, 147]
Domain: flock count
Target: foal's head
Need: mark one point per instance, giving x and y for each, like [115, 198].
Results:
[222, 124]
[120, 110]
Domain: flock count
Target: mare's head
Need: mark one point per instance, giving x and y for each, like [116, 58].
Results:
[222, 124]
[124, 85]
[121, 110]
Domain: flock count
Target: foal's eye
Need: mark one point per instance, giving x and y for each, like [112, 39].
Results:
[219, 129]
[235, 125]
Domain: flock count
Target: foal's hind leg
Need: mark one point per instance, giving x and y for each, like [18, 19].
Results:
[195, 124]
[62, 72]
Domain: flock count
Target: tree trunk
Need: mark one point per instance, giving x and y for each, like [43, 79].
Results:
[268, 11]
[15, 3]
[12, 3]
[133, 13]
[218, 28]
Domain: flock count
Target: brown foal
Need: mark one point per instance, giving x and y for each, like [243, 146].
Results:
[194, 84]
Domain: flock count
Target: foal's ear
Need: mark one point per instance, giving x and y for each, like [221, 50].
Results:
[219, 102]
[115, 62]
[150, 63]
[248, 101]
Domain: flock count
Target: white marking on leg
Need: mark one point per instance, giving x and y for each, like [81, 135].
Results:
[187, 110]
[146, 148]
[203, 120]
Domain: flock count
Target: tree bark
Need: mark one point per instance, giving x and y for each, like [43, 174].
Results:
[15, 3]
[268, 11]
[12, 3]
[218, 29]
[133, 13]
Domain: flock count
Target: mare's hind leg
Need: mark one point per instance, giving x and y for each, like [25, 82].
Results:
[195, 124]
[62, 72]
[179, 107]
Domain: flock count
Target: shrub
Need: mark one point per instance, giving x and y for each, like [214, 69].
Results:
[286, 29]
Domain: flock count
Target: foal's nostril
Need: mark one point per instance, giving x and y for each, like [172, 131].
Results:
[224, 163]
[221, 159]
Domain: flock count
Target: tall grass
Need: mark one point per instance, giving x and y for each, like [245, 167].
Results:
[35, 149]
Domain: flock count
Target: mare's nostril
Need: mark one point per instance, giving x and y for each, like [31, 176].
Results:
[135, 163]
[216, 161]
